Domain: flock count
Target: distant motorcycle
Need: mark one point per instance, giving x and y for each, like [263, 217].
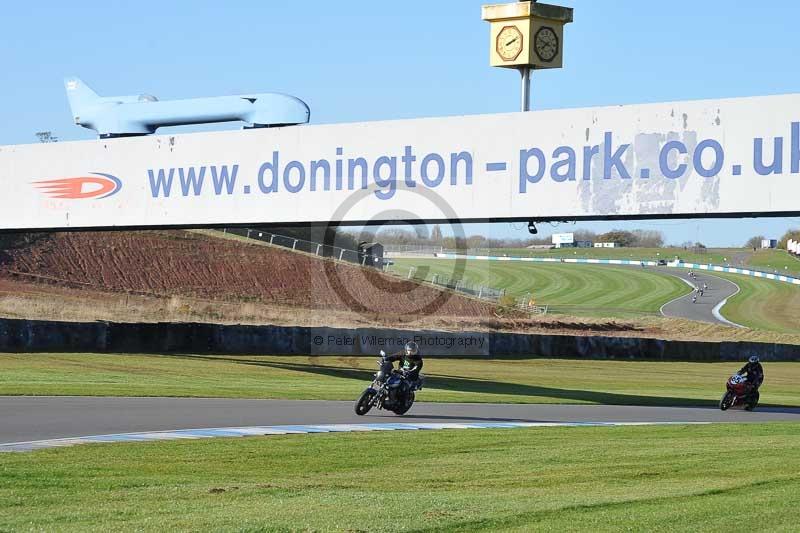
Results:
[389, 390]
[739, 393]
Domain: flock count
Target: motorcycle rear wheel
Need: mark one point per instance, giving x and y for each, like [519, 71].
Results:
[752, 402]
[403, 409]
[726, 401]
[364, 403]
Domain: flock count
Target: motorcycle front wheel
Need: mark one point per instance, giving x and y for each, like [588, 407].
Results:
[726, 401]
[364, 403]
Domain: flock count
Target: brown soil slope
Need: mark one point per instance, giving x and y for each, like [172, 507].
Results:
[178, 263]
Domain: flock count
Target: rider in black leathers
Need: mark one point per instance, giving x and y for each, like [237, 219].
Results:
[753, 371]
[410, 359]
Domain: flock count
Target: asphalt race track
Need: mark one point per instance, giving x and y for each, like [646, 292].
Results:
[27, 418]
[706, 309]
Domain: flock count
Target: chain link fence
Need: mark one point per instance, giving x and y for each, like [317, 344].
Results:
[309, 247]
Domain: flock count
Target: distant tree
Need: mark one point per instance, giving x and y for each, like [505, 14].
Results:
[436, 234]
[648, 239]
[585, 235]
[476, 241]
[619, 237]
[754, 242]
[402, 236]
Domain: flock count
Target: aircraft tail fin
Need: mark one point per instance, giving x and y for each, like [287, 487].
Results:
[79, 95]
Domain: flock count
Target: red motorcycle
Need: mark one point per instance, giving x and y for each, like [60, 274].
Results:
[740, 392]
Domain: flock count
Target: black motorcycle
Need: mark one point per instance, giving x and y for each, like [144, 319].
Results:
[390, 390]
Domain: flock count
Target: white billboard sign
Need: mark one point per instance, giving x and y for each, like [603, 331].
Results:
[563, 238]
[703, 158]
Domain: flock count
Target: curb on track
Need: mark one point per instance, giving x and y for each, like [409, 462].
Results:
[260, 431]
[718, 308]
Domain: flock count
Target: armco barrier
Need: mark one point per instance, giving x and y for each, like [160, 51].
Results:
[631, 262]
[32, 336]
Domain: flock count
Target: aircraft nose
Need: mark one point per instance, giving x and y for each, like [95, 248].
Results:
[276, 109]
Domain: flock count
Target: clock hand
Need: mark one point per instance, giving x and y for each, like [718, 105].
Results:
[512, 41]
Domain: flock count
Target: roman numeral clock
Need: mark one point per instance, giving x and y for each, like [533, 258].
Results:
[526, 36]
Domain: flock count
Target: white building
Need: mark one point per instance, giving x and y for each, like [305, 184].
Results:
[563, 239]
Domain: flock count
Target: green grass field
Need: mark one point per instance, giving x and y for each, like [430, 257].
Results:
[688, 478]
[343, 378]
[572, 289]
[776, 261]
[719, 256]
[764, 304]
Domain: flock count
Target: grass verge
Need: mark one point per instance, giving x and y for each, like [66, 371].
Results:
[692, 478]
[343, 378]
[763, 304]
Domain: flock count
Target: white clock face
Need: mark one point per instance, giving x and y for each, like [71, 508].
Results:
[545, 44]
[509, 43]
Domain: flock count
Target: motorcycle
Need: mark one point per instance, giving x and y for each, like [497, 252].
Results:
[389, 390]
[739, 393]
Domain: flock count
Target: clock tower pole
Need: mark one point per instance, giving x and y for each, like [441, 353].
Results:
[526, 87]
[526, 35]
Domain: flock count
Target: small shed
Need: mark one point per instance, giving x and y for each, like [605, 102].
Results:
[371, 254]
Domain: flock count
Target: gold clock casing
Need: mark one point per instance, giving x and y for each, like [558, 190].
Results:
[529, 18]
[527, 56]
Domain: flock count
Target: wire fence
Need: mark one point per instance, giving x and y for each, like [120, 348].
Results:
[310, 247]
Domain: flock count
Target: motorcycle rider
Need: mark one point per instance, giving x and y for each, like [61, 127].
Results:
[410, 359]
[753, 371]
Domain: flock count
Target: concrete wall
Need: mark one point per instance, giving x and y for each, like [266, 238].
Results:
[106, 337]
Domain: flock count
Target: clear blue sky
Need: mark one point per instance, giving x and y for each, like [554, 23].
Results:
[366, 60]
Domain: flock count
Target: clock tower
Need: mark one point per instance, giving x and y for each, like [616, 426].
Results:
[526, 35]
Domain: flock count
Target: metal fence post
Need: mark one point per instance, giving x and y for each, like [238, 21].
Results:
[248, 233]
[271, 236]
[294, 245]
[341, 254]
[318, 247]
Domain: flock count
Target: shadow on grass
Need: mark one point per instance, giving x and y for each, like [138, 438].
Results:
[471, 385]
